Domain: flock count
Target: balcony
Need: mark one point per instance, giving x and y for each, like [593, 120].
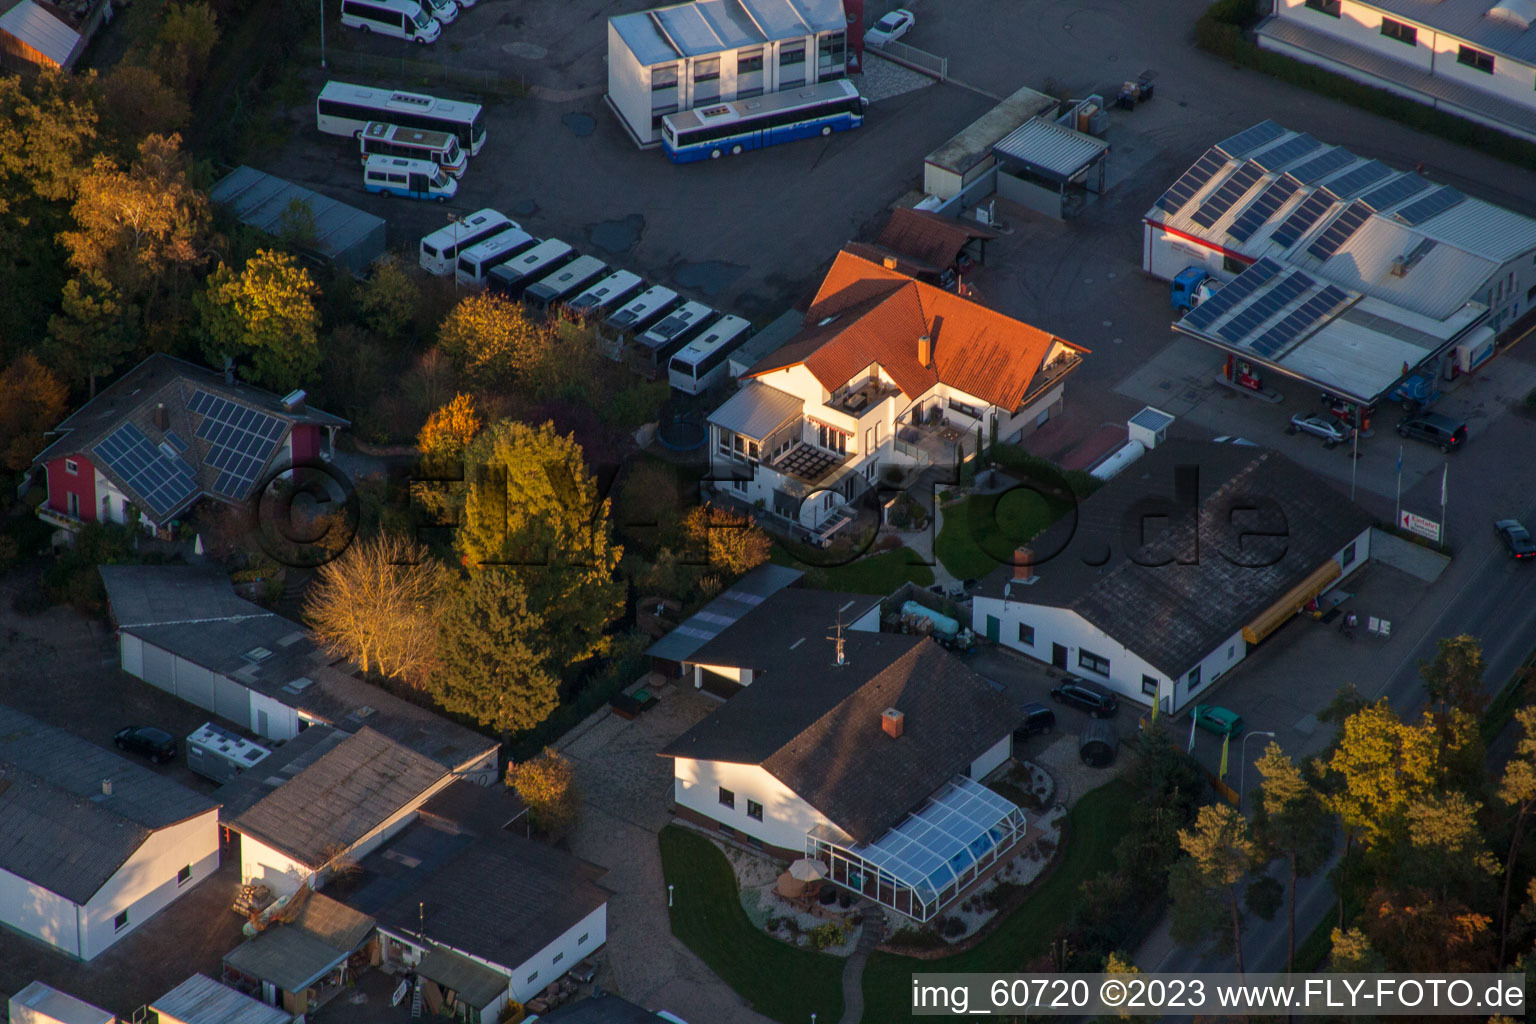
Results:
[863, 398]
[54, 517]
[808, 464]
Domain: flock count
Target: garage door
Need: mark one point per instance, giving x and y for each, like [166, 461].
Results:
[159, 668]
[231, 700]
[194, 683]
[133, 655]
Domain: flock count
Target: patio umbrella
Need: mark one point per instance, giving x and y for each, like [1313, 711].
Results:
[807, 870]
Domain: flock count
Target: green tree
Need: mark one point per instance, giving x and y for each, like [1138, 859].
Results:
[267, 313]
[1291, 822]
[184, 45]
[1381, 764]
[1351, 952]
[1518, 790]
[547, 784]
[93, 333]
[1446, 849]
[135, 102]
[493, 663]
[47, 135]
[1221, 853]
[1454, 677]
[388, 298]
[490, 338]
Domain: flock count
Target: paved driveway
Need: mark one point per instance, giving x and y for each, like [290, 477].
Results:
[626, 791]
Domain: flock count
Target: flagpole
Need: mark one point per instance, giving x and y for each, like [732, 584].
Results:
[1445, 475]
[1354, 464]
[1397, 516]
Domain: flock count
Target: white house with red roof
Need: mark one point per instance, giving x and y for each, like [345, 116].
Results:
[882, 358]
[168, 433]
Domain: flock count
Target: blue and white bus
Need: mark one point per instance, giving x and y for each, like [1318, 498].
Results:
[415, 179]
[707, 133]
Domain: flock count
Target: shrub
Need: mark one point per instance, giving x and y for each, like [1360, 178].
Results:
[825, 935]
[952, 927]
[915, 938]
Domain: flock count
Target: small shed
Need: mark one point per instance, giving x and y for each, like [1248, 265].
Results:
[769, 339]
[1097, 743]
[948, 170]
[42, 1004]
[201, 1000]
[38, 34]
[1050, 167]
[342, 233]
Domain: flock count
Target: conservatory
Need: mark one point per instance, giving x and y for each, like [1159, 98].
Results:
[922, 864]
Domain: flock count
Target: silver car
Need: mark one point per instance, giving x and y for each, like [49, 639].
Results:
[1329, 430]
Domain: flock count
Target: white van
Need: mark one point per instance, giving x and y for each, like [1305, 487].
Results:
[414, 144]
[402, 19]
[476, 261]
[440, 250]
[414, 179]
[445, 11]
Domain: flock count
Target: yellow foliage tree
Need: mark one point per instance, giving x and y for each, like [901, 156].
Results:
[547, 784]
[32, 400]
[1382, 764]
[47, 134]
[450, 429]
[266, 312]
[490, 338]
[730, 541]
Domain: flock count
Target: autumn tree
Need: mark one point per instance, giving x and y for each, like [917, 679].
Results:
[1351, 953]
[1291, 823]
[547, 784]
[388, 298]
[265, 312]
[184, 45]
[565, 363]
[531, 505]
[93, 333]
[1221, 854]
[449, 430]
[1518, 790]
[32, 401]
[47, 135]
[1454, 677]
[1446, 852]
[1381, 764]
[493, 663]
[376, 605]
[726, 540]
[490, 338]
[136, 101]
[1417, 931]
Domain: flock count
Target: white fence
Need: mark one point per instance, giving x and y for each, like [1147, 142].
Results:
[917, 60]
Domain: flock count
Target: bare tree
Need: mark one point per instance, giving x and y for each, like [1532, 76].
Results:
[375, 605]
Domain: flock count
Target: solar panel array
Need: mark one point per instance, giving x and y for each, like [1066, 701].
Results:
[1192, 181]
[1203, 315]
[1244, 142]
[1339, 232]
[1276, 157]
[1306, 215]
[1265, 306]
[1359, 179]
[1261, 209]
[161, 483]
[1298, 321]
[1394, 191]
[175, 440]
[1437, 202]
[241, 441]
[1321, 166]
[1231, 190]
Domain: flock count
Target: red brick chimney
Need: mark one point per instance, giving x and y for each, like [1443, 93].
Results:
[893, 722]
[1023, 564]
[925, 349]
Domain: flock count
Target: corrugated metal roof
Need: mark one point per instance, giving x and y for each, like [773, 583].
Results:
[1051, 149]
[40, 30]
[644, 39]
[201, 1000]
[767, 340]
[342, 233]
[1483, 228]
[974, 143]
[1466, 19]
[713, 619]
[756, 410]
[58, 1006]
[476, 984]
[1436, 285]
[784, 19]
[1354, 356]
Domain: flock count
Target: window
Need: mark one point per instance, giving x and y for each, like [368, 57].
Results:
[1530, 295]
[120, 921]
[1193, 682]
[727, 831]
[754, 810]
[1328, 7]
[1026, 634]
[1233, 265]
[1475, 59]
[727, 798]
[706, 69]
[71, 467]
[746, 94]
[748, 61]
[1092, 662]
[831, 439]
[184, 875]
[533, 977]
[792, 54]
[73, 501]
[1397, 30]
[664, 78]
[1231, 650]
[1347, 557]
[829, 52]
[558, 958]
[584, 937]
[1149, 686]
[965, 410]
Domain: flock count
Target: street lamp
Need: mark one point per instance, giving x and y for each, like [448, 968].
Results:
[1242, 778]
[669, 895]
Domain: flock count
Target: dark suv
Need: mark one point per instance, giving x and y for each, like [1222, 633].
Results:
[1096, 702]
[156, 744]
[1038, 720]
[1440, 430]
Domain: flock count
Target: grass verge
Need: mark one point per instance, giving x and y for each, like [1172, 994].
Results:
[1094, 826]
[871, 574]
[981, 532]
[779, 981]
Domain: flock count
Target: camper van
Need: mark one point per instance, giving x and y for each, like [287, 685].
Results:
[414, 179]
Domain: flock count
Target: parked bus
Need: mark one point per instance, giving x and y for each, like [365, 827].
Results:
[700, 363]
[440, 250]
[709, 132]
[414, 179]
[567, 281]
[512, 276]
[402, 19]
[414, 144]
[658, 343]
[344, 109]
[640, 313]
[605, 295]
[477, 261]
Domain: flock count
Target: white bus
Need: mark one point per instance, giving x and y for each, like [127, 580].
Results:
[605, 295]
[676, 329]
[402, 19]
[344, 109]
[701, 362]
[640, 313]
[414, 144]
[413, 179]
[550, 289]
[512, 276]
[476, 261]
[440, 250]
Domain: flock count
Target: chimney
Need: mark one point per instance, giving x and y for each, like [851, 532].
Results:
[106, 787]
[1023, 564]
[293, 401]
[925, 350]
[890, 262]
[892, 722]
[162, 418]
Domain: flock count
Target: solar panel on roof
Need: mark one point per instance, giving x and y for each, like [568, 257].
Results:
[1394, 191]
[1192, 181]
[1323, 165]
[162, 483]
[175, 440]
[1265, 306]
[1437, 202]
[1359, 179]
[1230, 191]
[1278, 156]
[1204, 314]
[1261, 209]
[1306, 215]
[241, 441]
[1299, 321]
[1339, 232]
[1246, 141]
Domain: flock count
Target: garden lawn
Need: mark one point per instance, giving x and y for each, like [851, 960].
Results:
[981, 532]
[780, 981]
[1094, 826]
[871, 574]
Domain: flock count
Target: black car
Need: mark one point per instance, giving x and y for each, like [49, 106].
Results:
[1516, 538]
[1039, 720]
[156, 744]
[1439, 430]
[1096, 702]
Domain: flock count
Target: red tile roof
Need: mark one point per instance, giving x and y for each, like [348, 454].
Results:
[929, 237]
[864, 313]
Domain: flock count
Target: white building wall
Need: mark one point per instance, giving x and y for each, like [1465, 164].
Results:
[42, 1004]
[1212, 667]
[559, 956]
[1165, 254]
[147, 882]
[1361, 26]
[131, 651]
[995, 755]
[272, 719]
[33, 910]
[261, 864]
[786, 817]
[1511, 80]
[629, 87]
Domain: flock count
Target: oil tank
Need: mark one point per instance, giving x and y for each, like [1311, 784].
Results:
[1122, 457]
